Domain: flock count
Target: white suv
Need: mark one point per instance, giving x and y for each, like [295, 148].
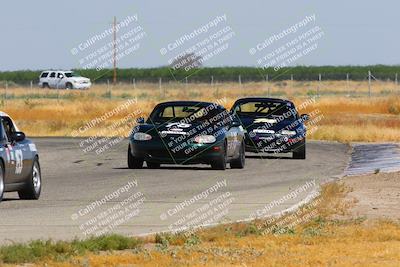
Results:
[63, 79]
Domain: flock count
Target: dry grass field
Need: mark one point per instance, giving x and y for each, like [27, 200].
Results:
[342, 111]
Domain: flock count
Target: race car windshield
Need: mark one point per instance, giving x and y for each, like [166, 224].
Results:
[264, 109]
[72, 74]
[179, 112]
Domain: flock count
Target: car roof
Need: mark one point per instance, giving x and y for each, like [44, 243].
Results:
[57, 71]
[3, 114]
[245, 99]
[187, 102]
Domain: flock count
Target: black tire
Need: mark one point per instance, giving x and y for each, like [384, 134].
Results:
[69, 86]
[1, 181]
[241, 160]
[45, 85]
[153, 165]
[220, 164]
[133, 162]
[300, 151]
[33, 186]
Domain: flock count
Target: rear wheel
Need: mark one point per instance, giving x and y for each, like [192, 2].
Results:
[153, 165]
[300, 151]
[133, 162]
[240, 161]
[69, 86]
[33, 186]
[220, 164]
[1, 182]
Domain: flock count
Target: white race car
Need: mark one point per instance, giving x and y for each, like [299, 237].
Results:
[19, 162]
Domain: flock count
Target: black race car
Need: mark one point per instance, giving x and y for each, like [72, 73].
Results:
[187, 132]
[19, 162]
[272, 126]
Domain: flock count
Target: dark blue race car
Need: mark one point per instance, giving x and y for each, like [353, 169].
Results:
[19, 162]
[272, 126]
[187, 132]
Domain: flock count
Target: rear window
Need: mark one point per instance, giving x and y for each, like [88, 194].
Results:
[44, 75]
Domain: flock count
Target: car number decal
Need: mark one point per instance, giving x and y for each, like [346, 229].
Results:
[8, 154]
[32, 147]
[18, 161]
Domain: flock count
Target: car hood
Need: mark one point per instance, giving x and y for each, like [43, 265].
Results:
[268, 123]
[188, 130]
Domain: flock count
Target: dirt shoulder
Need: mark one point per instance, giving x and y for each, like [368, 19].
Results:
[375, 196]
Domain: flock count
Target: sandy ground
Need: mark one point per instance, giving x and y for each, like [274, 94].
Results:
[375, 196]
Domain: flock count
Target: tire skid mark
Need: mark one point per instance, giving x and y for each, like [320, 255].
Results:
[371, 158]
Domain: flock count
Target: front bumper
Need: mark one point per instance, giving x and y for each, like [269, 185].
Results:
[191, 154]
[260, 144]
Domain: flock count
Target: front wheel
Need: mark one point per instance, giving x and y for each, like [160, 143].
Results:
[33, 186]
[134, 162]
[220, 163]
[300, 152]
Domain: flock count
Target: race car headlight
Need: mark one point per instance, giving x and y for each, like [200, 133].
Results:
[205, 139]
[141, 136]
[287, 132]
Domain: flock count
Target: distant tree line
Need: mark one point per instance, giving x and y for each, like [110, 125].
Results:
[221, 74]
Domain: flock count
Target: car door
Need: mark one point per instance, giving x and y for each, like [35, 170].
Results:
[60, 81]
[20, 156]
[52, 79]
[9, 155]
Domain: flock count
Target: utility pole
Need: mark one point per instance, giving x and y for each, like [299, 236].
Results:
[319, 83]
[160, 86]
[5, 94]
[115, 50]
[369, 83]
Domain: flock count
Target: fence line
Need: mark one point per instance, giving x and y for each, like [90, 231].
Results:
[270, 88]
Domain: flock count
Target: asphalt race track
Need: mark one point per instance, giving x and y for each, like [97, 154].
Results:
[73, 179]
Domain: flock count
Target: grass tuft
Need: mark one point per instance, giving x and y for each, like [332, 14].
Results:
[61, 250]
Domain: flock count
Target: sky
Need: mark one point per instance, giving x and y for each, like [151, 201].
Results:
[43, 34]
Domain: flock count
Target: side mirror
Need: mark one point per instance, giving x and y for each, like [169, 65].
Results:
[140, 120]
[304, 117]
[18, 136]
